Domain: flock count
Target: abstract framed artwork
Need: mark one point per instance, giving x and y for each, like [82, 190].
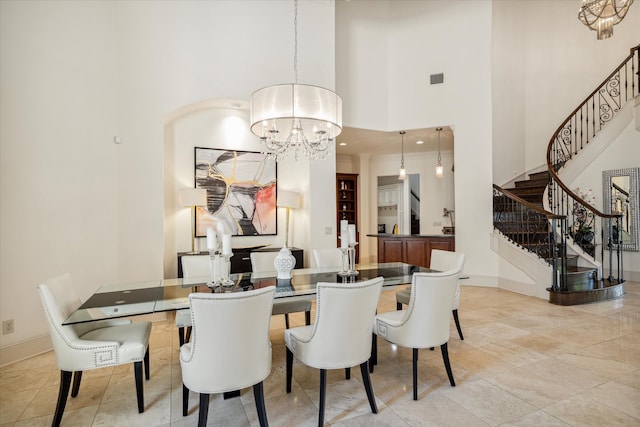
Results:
[241, 191]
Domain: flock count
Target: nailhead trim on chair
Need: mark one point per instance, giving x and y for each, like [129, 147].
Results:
[99, 363]
[105, 357]
[294, 340]
[194, 331]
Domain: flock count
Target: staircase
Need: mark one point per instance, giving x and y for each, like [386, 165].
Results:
[535, 237]
[554, 228]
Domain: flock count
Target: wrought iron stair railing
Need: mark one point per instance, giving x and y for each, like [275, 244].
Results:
[588, 227]
[534, 229]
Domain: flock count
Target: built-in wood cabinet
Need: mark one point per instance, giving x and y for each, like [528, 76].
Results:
[347, 202]
[415, 250]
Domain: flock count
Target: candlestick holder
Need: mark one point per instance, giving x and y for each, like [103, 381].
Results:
[349, 261]
[215, 269]
[225, 266]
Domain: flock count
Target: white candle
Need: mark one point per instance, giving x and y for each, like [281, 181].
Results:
[211, 239]
[226, 244]
[343, 226]
[344, 240]
[352, 234]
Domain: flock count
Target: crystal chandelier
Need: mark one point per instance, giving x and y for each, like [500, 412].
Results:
[602, 15]
[295, 118]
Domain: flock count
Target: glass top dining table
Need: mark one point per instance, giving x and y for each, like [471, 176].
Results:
[154, 296]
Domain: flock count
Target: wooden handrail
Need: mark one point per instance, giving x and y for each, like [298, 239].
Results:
[551, 168]
[537, 209]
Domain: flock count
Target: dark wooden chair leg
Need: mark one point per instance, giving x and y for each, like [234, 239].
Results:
[65, 384]
[455, 318]
[364, 369]
[204, 410]
[415, 374]
[258, 393]
[307, 318]
[147, 368]
[77, 377]
[137, 370]
[289, 369]
[286, 320]
[323, 392]
[181, 336]
[374, 352]
[447, 365]
[185, 400]
[347, 373]
[398, 306]
[187, 338]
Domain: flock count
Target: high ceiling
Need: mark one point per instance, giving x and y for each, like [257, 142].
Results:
[361, 141]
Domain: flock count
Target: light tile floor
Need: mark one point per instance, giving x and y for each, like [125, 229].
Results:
[524, 362]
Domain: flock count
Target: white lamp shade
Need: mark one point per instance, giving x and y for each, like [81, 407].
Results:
[192, 197]
[288, 199]
[276, 107]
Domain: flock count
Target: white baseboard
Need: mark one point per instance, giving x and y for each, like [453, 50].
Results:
[25, 349]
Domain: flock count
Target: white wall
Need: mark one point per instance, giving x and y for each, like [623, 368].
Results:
[545, 63]
[74, 74]
[508, 90]
[60, 174]
[423, 38]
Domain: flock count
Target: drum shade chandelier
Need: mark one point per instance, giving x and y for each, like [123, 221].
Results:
[296, 118]
[602, 15]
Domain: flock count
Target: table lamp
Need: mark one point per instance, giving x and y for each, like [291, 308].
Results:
[192, 197]
[288, 200]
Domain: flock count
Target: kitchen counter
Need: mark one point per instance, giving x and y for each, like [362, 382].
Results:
[412, 248]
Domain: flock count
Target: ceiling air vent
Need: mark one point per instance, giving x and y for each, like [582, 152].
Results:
[437, 78]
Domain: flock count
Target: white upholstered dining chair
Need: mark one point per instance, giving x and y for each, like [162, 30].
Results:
[192, 266]
[261, 265]
[328, 257]
[425, 324]
[340, 336]
[92, 345]
[440, 261]
[230, 349]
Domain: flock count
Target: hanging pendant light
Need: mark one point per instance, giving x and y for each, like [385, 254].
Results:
[439, 168]
[403, 172]
[295, 118]
[602, 15]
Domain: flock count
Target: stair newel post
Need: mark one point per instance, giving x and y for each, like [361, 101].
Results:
[554, 252]
[563, 251]
[619, 248]
[610, 244]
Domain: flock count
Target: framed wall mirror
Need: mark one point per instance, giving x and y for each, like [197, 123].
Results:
[621, 192]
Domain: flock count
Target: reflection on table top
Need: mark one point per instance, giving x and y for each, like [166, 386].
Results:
[121, 300]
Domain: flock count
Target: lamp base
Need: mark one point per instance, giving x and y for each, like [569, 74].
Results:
[193, 253]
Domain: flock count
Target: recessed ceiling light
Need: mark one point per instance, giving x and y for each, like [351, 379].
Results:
[343, 144]
[419, 141]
